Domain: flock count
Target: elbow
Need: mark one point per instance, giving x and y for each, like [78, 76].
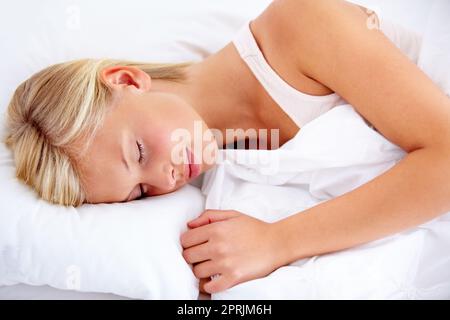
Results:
[441, 151]
[444, 147]
[440, 142]
[438, 160]
[434, 160]
[433, 166]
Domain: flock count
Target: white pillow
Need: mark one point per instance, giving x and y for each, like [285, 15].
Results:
[411, 14]
[435, 60]
[52, 31]
[35, 34]
[129, 249]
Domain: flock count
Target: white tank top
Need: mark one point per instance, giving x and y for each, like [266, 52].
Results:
[299, 106]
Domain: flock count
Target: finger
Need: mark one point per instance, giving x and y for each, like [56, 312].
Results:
[195, 236]
[201, 285]
[198, 222]
[205, 269]
[197, 253]
[201, 220]
[211, 216]
[218, 283]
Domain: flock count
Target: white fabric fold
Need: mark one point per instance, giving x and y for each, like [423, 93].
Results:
[330, 156]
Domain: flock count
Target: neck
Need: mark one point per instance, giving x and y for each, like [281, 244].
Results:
[219, 90]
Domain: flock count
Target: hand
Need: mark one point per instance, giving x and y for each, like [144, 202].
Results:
[201, 285]
[232, 245]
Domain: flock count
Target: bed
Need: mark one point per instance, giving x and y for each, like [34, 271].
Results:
[54, 31]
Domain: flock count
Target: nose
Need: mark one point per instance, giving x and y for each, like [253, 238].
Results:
[164, 181]
[171, 176]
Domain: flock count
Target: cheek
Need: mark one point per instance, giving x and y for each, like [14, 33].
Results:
[169, 128]
[158, 140]
[161, 145]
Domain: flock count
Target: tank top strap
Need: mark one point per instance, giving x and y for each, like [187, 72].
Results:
[299, 106]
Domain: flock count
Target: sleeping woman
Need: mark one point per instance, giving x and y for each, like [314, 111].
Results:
[103, 131]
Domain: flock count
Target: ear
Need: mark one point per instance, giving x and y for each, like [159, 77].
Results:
[118, 77]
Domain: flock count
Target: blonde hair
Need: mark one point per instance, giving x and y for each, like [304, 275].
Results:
[56, 108]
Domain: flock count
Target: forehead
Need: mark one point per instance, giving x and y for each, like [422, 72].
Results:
[104, 176]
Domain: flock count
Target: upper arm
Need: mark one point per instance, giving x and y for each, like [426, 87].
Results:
[334, 46]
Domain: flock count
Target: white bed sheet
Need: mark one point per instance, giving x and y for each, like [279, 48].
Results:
[411, 13]
[27, 292]
[332, 155]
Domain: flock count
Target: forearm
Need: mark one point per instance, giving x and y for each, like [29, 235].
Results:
[413, 192]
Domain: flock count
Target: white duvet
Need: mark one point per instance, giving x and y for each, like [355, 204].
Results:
[338, 152]
[330, 156]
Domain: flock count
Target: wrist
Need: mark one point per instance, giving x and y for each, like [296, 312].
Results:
[286, 235]
[282, 253]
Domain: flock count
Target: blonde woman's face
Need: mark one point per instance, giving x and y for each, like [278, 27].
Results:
[143, 148]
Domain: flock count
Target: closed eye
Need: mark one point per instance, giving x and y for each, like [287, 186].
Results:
[141, 159]
[141, 151]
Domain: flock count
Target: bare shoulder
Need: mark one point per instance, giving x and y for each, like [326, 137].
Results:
[334, 43]
[284, 13]
[275, 42]
[293, 25]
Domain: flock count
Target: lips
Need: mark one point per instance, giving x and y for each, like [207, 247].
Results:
[187, 166]
[193, 169]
